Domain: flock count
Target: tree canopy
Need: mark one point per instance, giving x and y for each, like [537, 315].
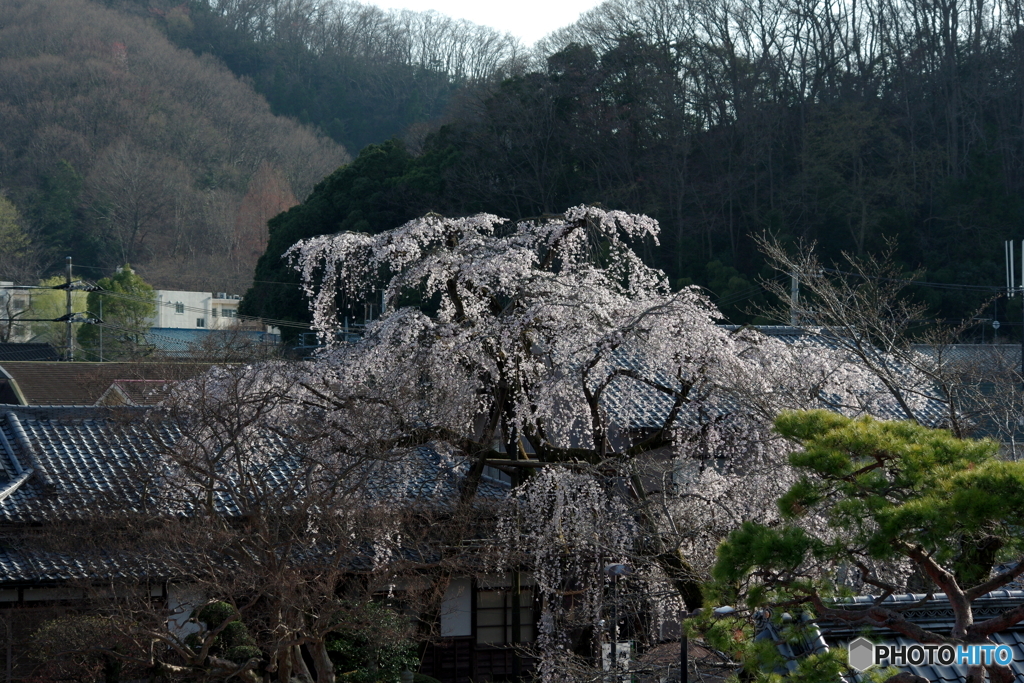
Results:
[383, 187]
[724, 122]
[126, 305]
[16, 254]
[583, 412]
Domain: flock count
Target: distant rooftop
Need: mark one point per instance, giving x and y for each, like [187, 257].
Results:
[36, 352]
[82, 384]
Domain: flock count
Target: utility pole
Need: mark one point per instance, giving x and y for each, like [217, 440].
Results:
[615, 571]
[69, 352]
[69, 317]
[684, 654]
[1012, 289]
[794, 297]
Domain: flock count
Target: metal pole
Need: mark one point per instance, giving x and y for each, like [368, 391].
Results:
[101, 327]
[1006, 264]
[684, 654]
[615, 623]
[69, 353]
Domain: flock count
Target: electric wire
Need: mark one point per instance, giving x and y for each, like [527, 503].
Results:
[182, 347]
[246, 318]
[923, 283]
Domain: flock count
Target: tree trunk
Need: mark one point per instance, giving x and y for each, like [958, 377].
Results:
[322, 661]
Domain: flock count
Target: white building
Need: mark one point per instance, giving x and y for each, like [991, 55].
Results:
[179, 309]
[185, 318]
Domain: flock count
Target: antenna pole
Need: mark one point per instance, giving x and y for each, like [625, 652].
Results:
[69, 351]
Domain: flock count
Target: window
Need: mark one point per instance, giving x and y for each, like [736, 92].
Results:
[200, 322]
[214, 312]
[179, 308]
[494, 616]
[230, 313]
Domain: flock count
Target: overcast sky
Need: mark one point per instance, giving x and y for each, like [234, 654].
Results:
[528, 20]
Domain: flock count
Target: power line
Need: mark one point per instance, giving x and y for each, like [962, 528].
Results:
[196, 309]
[751, 291]
[178, 346]
[235, 279]
[923, 283]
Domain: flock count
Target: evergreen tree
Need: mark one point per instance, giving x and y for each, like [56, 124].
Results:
[128, 305]
[383, 188]
[872, 497]
[16, 254]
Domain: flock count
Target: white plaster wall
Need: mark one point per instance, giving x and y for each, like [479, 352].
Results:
[457, 609]
[181, 601]
[197, 305]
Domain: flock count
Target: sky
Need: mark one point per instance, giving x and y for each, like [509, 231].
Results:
[528, 20]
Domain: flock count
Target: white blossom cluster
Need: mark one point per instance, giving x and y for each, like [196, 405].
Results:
[569, 527]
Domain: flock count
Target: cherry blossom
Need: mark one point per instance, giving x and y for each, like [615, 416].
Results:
[549, 345]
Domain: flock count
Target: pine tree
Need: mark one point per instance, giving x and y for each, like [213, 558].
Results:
[873, 497]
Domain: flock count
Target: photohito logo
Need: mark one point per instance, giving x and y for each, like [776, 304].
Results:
[864, 654]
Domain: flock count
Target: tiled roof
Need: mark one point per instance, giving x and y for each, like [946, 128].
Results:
[21, 564]
[136, 392]
[934, 615]
[82, 384]
[640, 406]
[63, 463]
[60, 462]
[10, 351]
[985, 356]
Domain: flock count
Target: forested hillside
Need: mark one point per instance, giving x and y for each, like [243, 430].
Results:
[359, 73]
[116, 146]
[845, 123]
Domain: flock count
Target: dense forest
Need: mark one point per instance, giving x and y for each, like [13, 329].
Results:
[167, 134]
[844, 123]
[359, 73]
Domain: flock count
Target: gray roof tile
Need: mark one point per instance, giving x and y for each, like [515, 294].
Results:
[640, 406]
[83, 457]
